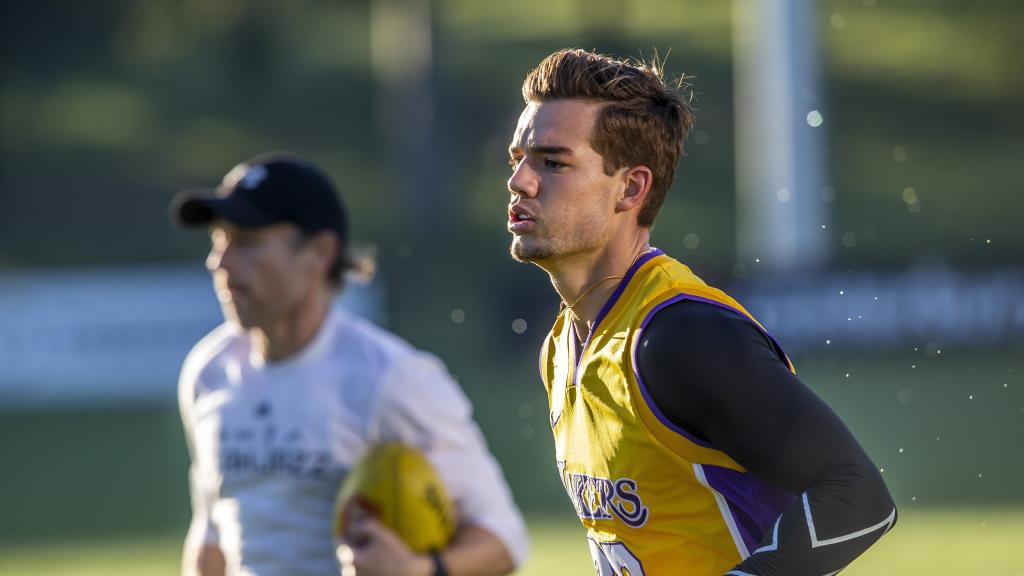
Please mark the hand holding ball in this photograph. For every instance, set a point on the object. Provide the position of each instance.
(397, 485)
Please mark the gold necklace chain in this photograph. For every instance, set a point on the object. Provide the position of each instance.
(592, 286)
(579, 298)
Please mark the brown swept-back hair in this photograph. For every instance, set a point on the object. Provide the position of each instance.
(643, 122)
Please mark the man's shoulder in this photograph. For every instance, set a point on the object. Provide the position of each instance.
(218, 341)
(363, 342)
(226, 339)
(407, 384)
(697, 320)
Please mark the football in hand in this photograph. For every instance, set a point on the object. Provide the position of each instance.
(397, 485)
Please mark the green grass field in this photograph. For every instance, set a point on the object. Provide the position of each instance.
(935, 542)
(75, 482)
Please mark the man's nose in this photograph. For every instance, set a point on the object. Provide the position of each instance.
(220, 258)
(213, 260)
(523, 181)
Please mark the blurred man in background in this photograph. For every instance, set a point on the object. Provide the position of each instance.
(682, 435)
(288, 394)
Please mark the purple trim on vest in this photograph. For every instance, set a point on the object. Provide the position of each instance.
(754, 505)
(636, 367)
(654, 252)
(643, 259)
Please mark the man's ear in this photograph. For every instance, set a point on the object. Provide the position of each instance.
(325, 246)
(637, 182)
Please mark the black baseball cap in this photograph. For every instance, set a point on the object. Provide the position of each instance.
(268, 189)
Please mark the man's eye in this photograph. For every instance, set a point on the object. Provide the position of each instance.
(553, 164)
(513, 162)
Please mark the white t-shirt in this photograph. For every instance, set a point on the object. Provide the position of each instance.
(272, 442)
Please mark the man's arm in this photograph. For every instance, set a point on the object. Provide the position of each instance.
(201, 555)
(717, 376)
(422, 406)
(202, 560)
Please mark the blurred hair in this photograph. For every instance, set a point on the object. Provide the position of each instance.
(643, 122)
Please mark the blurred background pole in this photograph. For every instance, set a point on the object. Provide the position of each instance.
(402, 51)
(778, 137)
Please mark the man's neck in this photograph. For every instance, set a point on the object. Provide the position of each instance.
(585, 284)
(291, 334)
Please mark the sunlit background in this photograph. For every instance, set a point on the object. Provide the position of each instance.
(855, 177)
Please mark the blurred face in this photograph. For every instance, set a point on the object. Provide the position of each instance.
(562, 203)
(261, 275)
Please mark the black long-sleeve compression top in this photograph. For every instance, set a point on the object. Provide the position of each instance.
(717, 376)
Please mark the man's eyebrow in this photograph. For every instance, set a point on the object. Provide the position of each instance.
(535, 149)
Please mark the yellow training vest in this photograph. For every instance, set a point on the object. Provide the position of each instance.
(654, 500)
